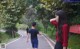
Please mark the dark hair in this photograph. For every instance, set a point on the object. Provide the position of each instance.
(62, 20)
(33, 23)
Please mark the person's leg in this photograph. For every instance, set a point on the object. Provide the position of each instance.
(36, 44)
(58, 45)
(32, 42)
(35, 48)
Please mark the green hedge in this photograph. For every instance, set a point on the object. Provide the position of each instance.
(5, 37)
(74, 41)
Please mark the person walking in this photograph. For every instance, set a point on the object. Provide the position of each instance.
(62, 29)
(34, 39)
(27, 29)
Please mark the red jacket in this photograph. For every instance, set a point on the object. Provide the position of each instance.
(64, 40)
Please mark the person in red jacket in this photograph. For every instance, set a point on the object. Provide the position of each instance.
(62, 29)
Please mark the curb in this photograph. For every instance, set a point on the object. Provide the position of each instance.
(50, 41)
(14, 40)
(4, 45)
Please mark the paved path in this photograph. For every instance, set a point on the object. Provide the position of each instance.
(22, 44)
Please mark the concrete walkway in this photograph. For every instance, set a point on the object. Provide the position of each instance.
(22, 44)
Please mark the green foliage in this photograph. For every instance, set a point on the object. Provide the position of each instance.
(74, 41)
(32, 2)
(11, 12)
(40, 26)
(15, 11)
(21, 26)
(46, 8)
(5, 37)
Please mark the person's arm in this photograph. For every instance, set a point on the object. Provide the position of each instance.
(65, 36)
(64, 47)
(40, 33)
(53, 19)
(53, 22)
(27, 30)
(28, 36)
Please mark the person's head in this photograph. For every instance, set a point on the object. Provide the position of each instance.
(33, 24)
(61, 18)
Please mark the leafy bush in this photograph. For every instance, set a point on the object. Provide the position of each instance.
(5, 37)
(74, 41)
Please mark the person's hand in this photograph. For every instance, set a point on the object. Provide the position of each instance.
(40, 33)
(64, 47)
(52, 19)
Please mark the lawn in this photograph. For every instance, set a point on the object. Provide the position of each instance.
(74, 41)
(4, 38)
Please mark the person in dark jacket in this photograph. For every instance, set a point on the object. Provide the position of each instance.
(34, 39)
(62, 29)
(27, 29)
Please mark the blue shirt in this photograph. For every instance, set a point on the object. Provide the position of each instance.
(33, 33)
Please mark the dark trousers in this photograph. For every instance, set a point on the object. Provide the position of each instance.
(58, 45)
(34, 43)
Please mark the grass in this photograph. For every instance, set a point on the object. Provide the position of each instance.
(4, 38)
(74, 41)
(51, 33)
